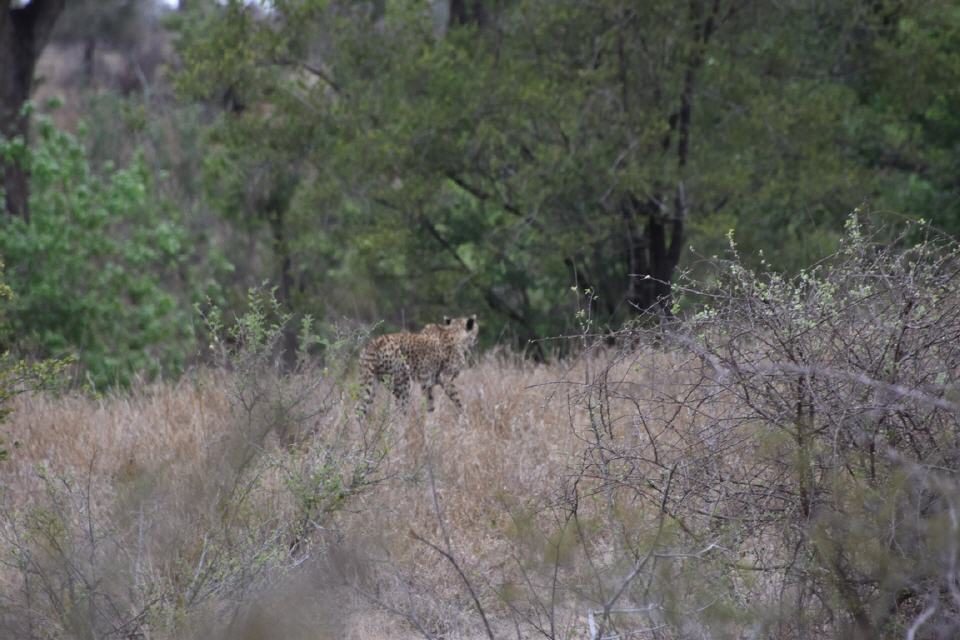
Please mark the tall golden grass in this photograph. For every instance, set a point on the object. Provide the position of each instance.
(446, 473)
(640, 488)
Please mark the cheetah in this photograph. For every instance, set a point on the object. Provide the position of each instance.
(434, 356)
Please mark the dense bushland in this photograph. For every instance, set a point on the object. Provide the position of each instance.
(779, 464)
(657, 442)
(393, 161)
(96, 269)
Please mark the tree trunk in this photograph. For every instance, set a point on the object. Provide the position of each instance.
(467, 12)
(89, 59)
(640, 294)
(281, 249)
(24, 32)
(653, 255)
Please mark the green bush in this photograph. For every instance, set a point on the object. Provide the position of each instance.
(18, 376)
(96, 265)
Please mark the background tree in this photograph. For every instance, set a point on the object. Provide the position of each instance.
(564, 143)
(89, 22)
(100, 269)
(24, 32)
(399, 160)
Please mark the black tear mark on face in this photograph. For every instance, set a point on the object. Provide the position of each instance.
(470, 323)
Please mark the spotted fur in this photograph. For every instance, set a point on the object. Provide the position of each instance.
(434, 356)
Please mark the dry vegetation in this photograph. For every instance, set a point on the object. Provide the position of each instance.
(781, 465)
(511, 449)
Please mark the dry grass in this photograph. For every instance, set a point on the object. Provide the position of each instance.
(512, 448)
(514, 437)
(626, 437)
(117, 435)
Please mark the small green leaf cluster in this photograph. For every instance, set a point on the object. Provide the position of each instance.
(95, 266)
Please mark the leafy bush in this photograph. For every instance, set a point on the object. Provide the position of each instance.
(95, 266)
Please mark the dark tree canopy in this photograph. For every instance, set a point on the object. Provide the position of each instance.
(549, 164)
(492, 154)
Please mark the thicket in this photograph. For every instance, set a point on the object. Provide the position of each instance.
(398, 159)
(192, 547)
(781, 463)
(794, 474)
(100, 270)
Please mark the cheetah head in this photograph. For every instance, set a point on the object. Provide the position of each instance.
(464, 329)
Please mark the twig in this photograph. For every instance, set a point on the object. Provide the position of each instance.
(448, 552)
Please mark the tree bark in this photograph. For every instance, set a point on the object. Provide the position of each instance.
(276, 216)
(467, 12)
(89, 59)
(24, 32)
(654, 253)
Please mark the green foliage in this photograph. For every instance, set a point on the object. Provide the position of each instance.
(373, 160)
(256, 333)
(18, 376)
(389, 165)
(95, 266)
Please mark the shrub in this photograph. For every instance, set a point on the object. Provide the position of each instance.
(95, 267)
(193, 549)
(793, 472)
(18, 376)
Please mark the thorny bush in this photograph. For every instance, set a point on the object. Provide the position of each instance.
(789, 465)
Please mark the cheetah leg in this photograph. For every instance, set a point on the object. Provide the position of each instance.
(368, 388)
(451, 390)
(427, 388)
(401, 388)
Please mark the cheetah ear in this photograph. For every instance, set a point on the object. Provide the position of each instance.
(447, 320)
(471, 321)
